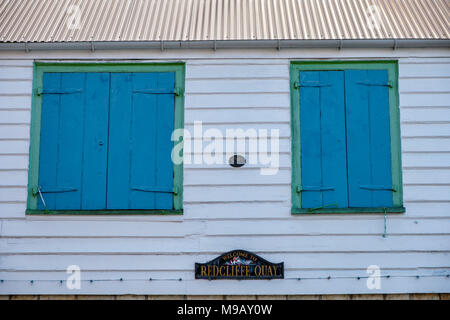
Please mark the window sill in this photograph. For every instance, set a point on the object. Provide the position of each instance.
(104, 212)
(295, 211)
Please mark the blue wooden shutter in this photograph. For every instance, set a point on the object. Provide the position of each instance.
(140, 171)
(368, 138)
(322, 132)
(73, 144)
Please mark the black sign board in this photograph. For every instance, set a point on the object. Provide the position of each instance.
(239, 264)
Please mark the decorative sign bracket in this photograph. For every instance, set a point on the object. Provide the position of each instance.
(240, 265)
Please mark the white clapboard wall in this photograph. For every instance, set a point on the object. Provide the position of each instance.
(227, 208)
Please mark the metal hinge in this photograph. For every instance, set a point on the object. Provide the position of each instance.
(335, 205)
(393, 188)
(313, 188)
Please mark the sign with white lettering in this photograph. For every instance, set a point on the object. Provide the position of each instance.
(239, 264)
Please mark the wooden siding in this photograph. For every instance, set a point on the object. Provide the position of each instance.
(226, 208)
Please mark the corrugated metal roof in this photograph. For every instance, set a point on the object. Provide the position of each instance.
(193, 20)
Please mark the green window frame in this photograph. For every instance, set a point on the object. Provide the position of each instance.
(394, 115)
(40, 68)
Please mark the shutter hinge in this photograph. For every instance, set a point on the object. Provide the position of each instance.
(311, 84)
(175, 190)
(296, 85)
(179, 92)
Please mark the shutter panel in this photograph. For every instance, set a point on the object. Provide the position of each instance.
(140, 172)
(322, 133)
(368, 138)
(74, 119)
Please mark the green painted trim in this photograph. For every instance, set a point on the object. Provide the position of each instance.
(348, 210)
(103, 212)
(394, 112)
(40, 68)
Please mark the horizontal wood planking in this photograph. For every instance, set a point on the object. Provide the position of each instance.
(15, 87)
(13, 161)
(237, 193)
(237, 100)
(13, 194)
(13, 178)
(261, 56)
(261, 287)
(12, 210)
(243, 210)
(8, 63)
(49, 228)
(234, 177)
(350, 274)
(237, 85)
(426, 159)
(236, 71)
(424, 99)
(203, 287)
(429, 193)
(14, 132)
(215, 115)
(282, 127)
(426, 177)
(425, 129)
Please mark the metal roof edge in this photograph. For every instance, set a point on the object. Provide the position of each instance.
(227, 44)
